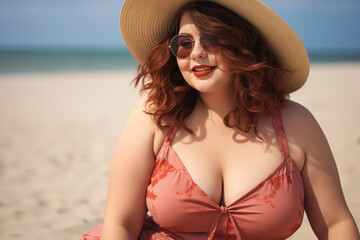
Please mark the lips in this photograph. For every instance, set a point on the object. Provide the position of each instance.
(202, 70)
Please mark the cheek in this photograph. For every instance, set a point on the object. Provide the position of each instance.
(183, 64)
(221, 63)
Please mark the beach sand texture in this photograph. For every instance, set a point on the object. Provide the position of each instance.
(58, 130)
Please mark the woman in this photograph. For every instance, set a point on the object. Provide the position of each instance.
(214, 149)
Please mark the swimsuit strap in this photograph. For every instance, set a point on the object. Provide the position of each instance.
(278, 125)
(171, 134)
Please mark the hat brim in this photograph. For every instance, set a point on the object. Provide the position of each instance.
(144, 23)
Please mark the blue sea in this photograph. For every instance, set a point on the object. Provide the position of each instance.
(15, 61)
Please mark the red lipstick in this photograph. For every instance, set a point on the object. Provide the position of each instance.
(202, 70)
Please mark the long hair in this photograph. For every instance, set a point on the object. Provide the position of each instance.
(256, 70)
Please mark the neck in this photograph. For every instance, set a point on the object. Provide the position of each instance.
(218, 104)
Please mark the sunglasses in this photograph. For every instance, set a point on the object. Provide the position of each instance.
(182, 45)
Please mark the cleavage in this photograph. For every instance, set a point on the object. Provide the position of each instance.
(223, 182)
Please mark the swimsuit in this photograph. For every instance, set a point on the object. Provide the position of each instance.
(180, 209)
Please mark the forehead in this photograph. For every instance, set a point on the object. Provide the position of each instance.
(187, 24)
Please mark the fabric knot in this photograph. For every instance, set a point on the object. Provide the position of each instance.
(224, 210)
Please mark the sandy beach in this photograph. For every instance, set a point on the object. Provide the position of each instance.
(58, 130)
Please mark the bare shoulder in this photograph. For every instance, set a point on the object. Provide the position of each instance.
(138, 131)
(142, 120)
(298, 119)
(294, 112)
(301, 130)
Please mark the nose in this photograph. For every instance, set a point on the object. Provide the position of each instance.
(198, 51)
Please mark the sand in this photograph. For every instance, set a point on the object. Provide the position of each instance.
(58, 130)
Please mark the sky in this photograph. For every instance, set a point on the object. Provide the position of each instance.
(323, 25)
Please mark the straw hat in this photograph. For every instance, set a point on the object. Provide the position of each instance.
(143, 23)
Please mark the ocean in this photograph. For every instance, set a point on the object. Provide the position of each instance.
(52, 61)
(55, 60)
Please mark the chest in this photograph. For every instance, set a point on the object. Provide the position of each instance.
(224, 168)
(174, 200)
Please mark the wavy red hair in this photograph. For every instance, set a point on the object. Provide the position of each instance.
(256, 71)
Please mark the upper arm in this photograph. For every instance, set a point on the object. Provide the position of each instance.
(324, 200)
(130, 171)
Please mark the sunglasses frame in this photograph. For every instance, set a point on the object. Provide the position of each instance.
(202, 36)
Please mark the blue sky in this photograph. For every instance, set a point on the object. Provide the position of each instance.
(322, 24)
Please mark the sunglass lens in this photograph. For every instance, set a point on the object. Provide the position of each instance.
(208, 43)
(181, 46)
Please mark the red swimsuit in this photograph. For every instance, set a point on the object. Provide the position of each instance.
(179, 209)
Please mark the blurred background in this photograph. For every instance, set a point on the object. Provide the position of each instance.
(58, 35)
(64, 97)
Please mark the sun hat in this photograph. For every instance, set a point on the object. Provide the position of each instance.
(144, 23)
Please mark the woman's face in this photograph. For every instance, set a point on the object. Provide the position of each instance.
(204, 71)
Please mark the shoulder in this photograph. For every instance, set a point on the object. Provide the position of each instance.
(294, 110)
(140, 127)
(143, 117)
(303, 126)
(302, 131)
(296, 116)
(140, 117)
